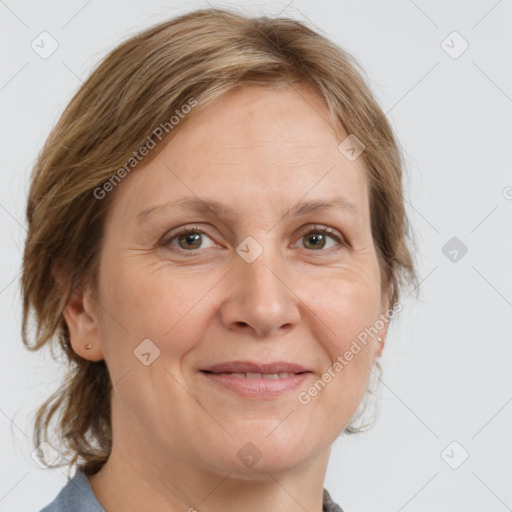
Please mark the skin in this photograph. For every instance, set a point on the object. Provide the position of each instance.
(176, 434)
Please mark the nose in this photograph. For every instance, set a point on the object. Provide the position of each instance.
(260, 299)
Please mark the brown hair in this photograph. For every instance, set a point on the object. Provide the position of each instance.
(135, 89)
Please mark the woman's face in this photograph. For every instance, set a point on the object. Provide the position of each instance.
(259, 284)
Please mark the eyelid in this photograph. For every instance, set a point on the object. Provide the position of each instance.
(320, 228)
(173, 233)
(311, 228)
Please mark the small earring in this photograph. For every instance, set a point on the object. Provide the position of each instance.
(379, 339)
(88, 346)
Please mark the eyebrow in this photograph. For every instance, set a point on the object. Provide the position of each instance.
(208, 206)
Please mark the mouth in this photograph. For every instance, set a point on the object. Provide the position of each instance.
(256, 375)
(257, 380)
(250, 367)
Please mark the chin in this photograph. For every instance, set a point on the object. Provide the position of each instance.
(254, 456)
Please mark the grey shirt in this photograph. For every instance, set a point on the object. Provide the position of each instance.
(77, 496)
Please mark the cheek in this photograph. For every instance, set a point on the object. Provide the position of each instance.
(345, 307)
(162, 306)
(346, 311)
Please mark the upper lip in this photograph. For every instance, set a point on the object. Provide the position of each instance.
(251, 367)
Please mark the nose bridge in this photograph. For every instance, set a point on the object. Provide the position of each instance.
(259, 297)
(262, 276)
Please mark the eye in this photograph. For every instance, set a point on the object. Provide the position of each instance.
(316, 238)
(190, 239)
(187, 239)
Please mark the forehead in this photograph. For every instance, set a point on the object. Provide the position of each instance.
(264, 121)
(251, 147)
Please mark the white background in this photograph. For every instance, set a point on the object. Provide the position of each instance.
(447, 361)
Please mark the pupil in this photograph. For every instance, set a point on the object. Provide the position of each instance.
(318, 237)
(191, 238)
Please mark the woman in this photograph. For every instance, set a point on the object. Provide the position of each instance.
(218, 241)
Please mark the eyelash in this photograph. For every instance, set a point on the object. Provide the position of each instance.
(191, 230)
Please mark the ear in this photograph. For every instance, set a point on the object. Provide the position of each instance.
(82, 323)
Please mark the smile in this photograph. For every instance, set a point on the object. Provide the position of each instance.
(256, 385)
(252, 375)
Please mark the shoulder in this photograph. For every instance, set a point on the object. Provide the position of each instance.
(75, 496)
(329, 505)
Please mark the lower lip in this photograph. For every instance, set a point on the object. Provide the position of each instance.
(257, 387)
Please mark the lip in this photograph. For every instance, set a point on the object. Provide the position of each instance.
(252, 367)
(256, 386)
